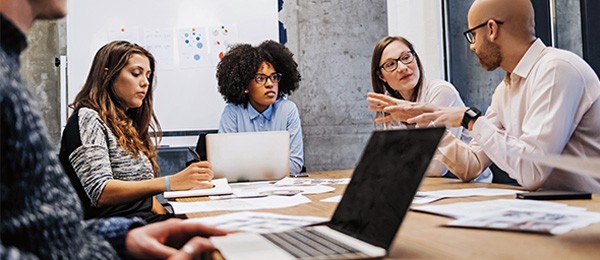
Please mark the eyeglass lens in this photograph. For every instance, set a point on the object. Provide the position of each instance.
(470, 37)
(391, 65)
(262, 78)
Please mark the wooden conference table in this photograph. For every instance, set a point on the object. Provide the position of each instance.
(423, 236)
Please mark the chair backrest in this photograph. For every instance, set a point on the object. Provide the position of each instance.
(201, 144)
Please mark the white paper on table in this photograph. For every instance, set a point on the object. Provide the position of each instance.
(243, 187)
(269, 202)
(553, 222)
(266, 188)
(288, 181)
(250, 189)
(334, 199)
(584, 166)
(456, 193)
(281, 190)
(220, 187)
(469, 209)
(222, 197)
(250, 185)
(424, 199)
(257, 222)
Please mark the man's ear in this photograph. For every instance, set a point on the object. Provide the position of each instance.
(493, 30)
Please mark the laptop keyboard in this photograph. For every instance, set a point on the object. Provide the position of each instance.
(311, 244)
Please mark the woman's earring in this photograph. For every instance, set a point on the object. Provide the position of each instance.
(246, 91)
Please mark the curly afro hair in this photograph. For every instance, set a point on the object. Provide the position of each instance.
(240, 63)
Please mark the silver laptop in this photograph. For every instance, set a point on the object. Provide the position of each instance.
(368, 216)
(249, 156)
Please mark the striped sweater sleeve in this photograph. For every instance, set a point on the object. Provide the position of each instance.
(91, 160)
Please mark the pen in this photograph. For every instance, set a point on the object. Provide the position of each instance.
(197, 158)
(195, 154)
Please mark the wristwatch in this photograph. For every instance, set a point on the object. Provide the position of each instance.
(470, 114)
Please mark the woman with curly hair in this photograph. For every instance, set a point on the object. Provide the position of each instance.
(255, 83)
(106, 147)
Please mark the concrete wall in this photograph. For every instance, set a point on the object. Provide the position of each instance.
(333, 41)
(42, 75)
(568, 26)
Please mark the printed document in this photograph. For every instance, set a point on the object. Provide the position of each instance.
(258, 222)
(553, 222)
(469, 209)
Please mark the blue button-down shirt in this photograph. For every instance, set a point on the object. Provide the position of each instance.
(281, 116)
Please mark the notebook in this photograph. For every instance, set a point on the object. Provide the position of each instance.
(369, 215)
(249, 156)
(220, 187)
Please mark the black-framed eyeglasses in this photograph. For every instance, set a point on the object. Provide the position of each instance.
(471, 36)
(391, 65)
(261, 79)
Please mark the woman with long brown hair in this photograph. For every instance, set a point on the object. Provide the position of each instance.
(107, 147)
(397, 71)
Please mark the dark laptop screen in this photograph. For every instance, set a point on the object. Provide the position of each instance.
(384, 184)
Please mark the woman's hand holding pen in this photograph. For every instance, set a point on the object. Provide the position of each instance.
(195, 176)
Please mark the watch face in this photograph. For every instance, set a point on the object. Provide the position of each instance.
(471, 113)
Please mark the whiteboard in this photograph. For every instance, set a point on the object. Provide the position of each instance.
(187, 38)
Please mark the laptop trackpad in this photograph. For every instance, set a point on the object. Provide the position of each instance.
(248, 246)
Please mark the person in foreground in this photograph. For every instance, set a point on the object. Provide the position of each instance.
(40, 213)
(397, 71)
(255, 81)
(547, 104)
(106, 146)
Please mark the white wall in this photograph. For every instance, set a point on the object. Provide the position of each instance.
(421, 23)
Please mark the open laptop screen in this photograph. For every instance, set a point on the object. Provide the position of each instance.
(249, 156)
(384, 184)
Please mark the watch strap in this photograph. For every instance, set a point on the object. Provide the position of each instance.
(470, 114)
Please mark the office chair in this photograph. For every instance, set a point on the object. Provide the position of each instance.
(201, 144)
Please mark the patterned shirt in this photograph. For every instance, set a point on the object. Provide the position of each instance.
(40, 214)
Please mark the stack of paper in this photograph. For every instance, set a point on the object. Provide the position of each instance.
(266, 188)
(515, 215)
(467, 209)
(287, 181)
(553, 222)
(258, 222)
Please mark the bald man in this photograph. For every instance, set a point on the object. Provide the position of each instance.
(547, 104)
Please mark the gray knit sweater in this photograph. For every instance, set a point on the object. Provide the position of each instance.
(92, 157)
(100, 159)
